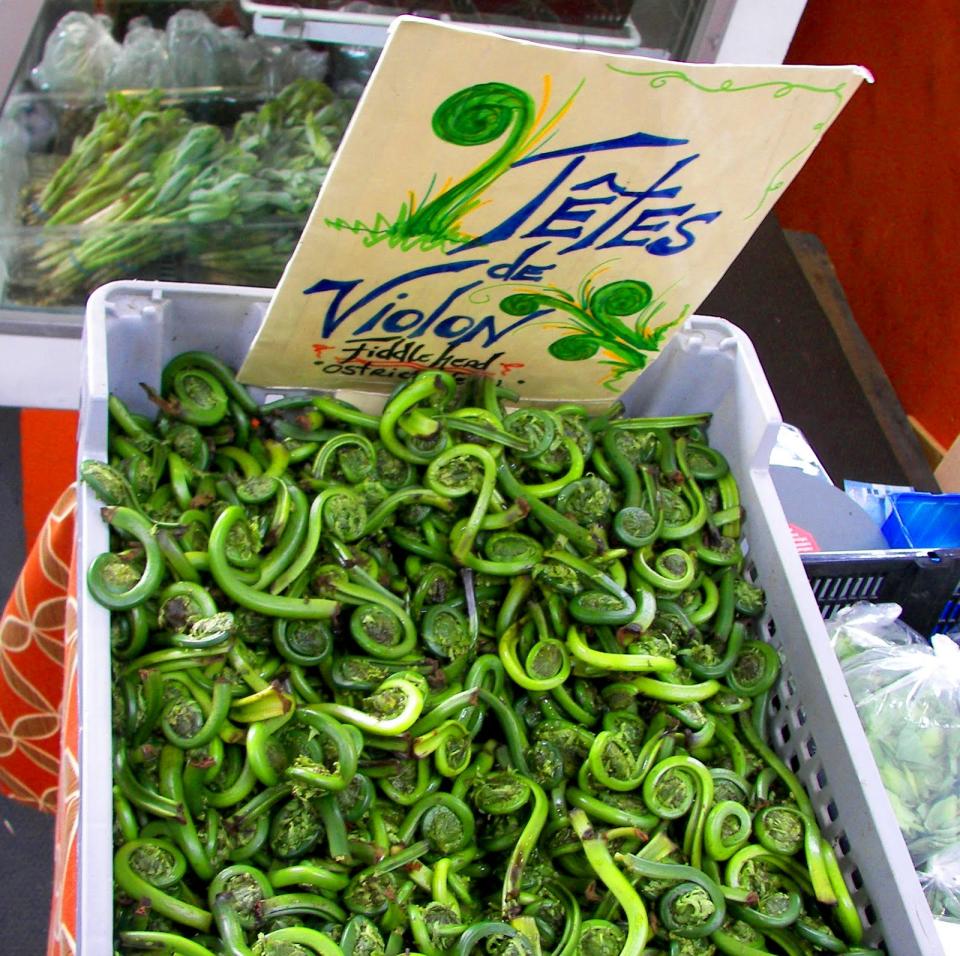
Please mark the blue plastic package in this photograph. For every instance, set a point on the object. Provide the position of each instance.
(922, 520)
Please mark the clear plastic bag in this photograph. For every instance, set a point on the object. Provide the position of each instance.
(352, 67)
(77, 55)
(233, 57)
(14, 144)
(940, 879)
(144, 62)
(297, 61)
(907, 693)
(81, 56)
(196, 47)
(864, 626)
(273, 64)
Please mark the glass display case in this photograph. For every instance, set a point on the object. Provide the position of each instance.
(193, 153)
(102, 179)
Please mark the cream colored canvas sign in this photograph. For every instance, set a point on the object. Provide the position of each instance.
(544, 216)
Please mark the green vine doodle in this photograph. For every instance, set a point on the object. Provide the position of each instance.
(474, 116)
(594, 323)
(781, 89)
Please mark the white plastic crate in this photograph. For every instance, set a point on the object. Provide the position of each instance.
(133, 328)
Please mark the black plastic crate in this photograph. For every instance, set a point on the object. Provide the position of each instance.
(926, 584)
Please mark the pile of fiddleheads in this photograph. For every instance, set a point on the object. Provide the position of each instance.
(447, 679)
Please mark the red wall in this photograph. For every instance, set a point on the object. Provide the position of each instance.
(883, 189)
(48, 462)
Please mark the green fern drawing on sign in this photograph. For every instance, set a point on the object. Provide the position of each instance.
(477, 115)
(593, 323)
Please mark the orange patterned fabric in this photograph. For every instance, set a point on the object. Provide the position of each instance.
(63, 910)
(39, 717)
(31, 664)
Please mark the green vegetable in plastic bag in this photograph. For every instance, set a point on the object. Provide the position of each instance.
(940, 879)
(907, 693)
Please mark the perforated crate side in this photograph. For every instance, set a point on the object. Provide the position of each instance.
(791, 737)
(814, 728)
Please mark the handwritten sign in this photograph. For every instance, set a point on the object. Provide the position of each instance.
(544, 216)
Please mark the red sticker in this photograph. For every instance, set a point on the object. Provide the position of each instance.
(804, 542)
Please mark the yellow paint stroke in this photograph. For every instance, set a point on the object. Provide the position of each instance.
(588, 284)
(445, 186)
(548, 128)
(597, 270)
(551, 125)
(544, 100)
(411, 195)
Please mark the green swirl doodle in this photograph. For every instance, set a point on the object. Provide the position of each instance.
(474, 116)
(596, 323)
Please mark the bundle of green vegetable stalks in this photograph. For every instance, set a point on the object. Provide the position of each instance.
(148, 183)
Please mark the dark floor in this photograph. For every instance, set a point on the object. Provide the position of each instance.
(26, 835)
